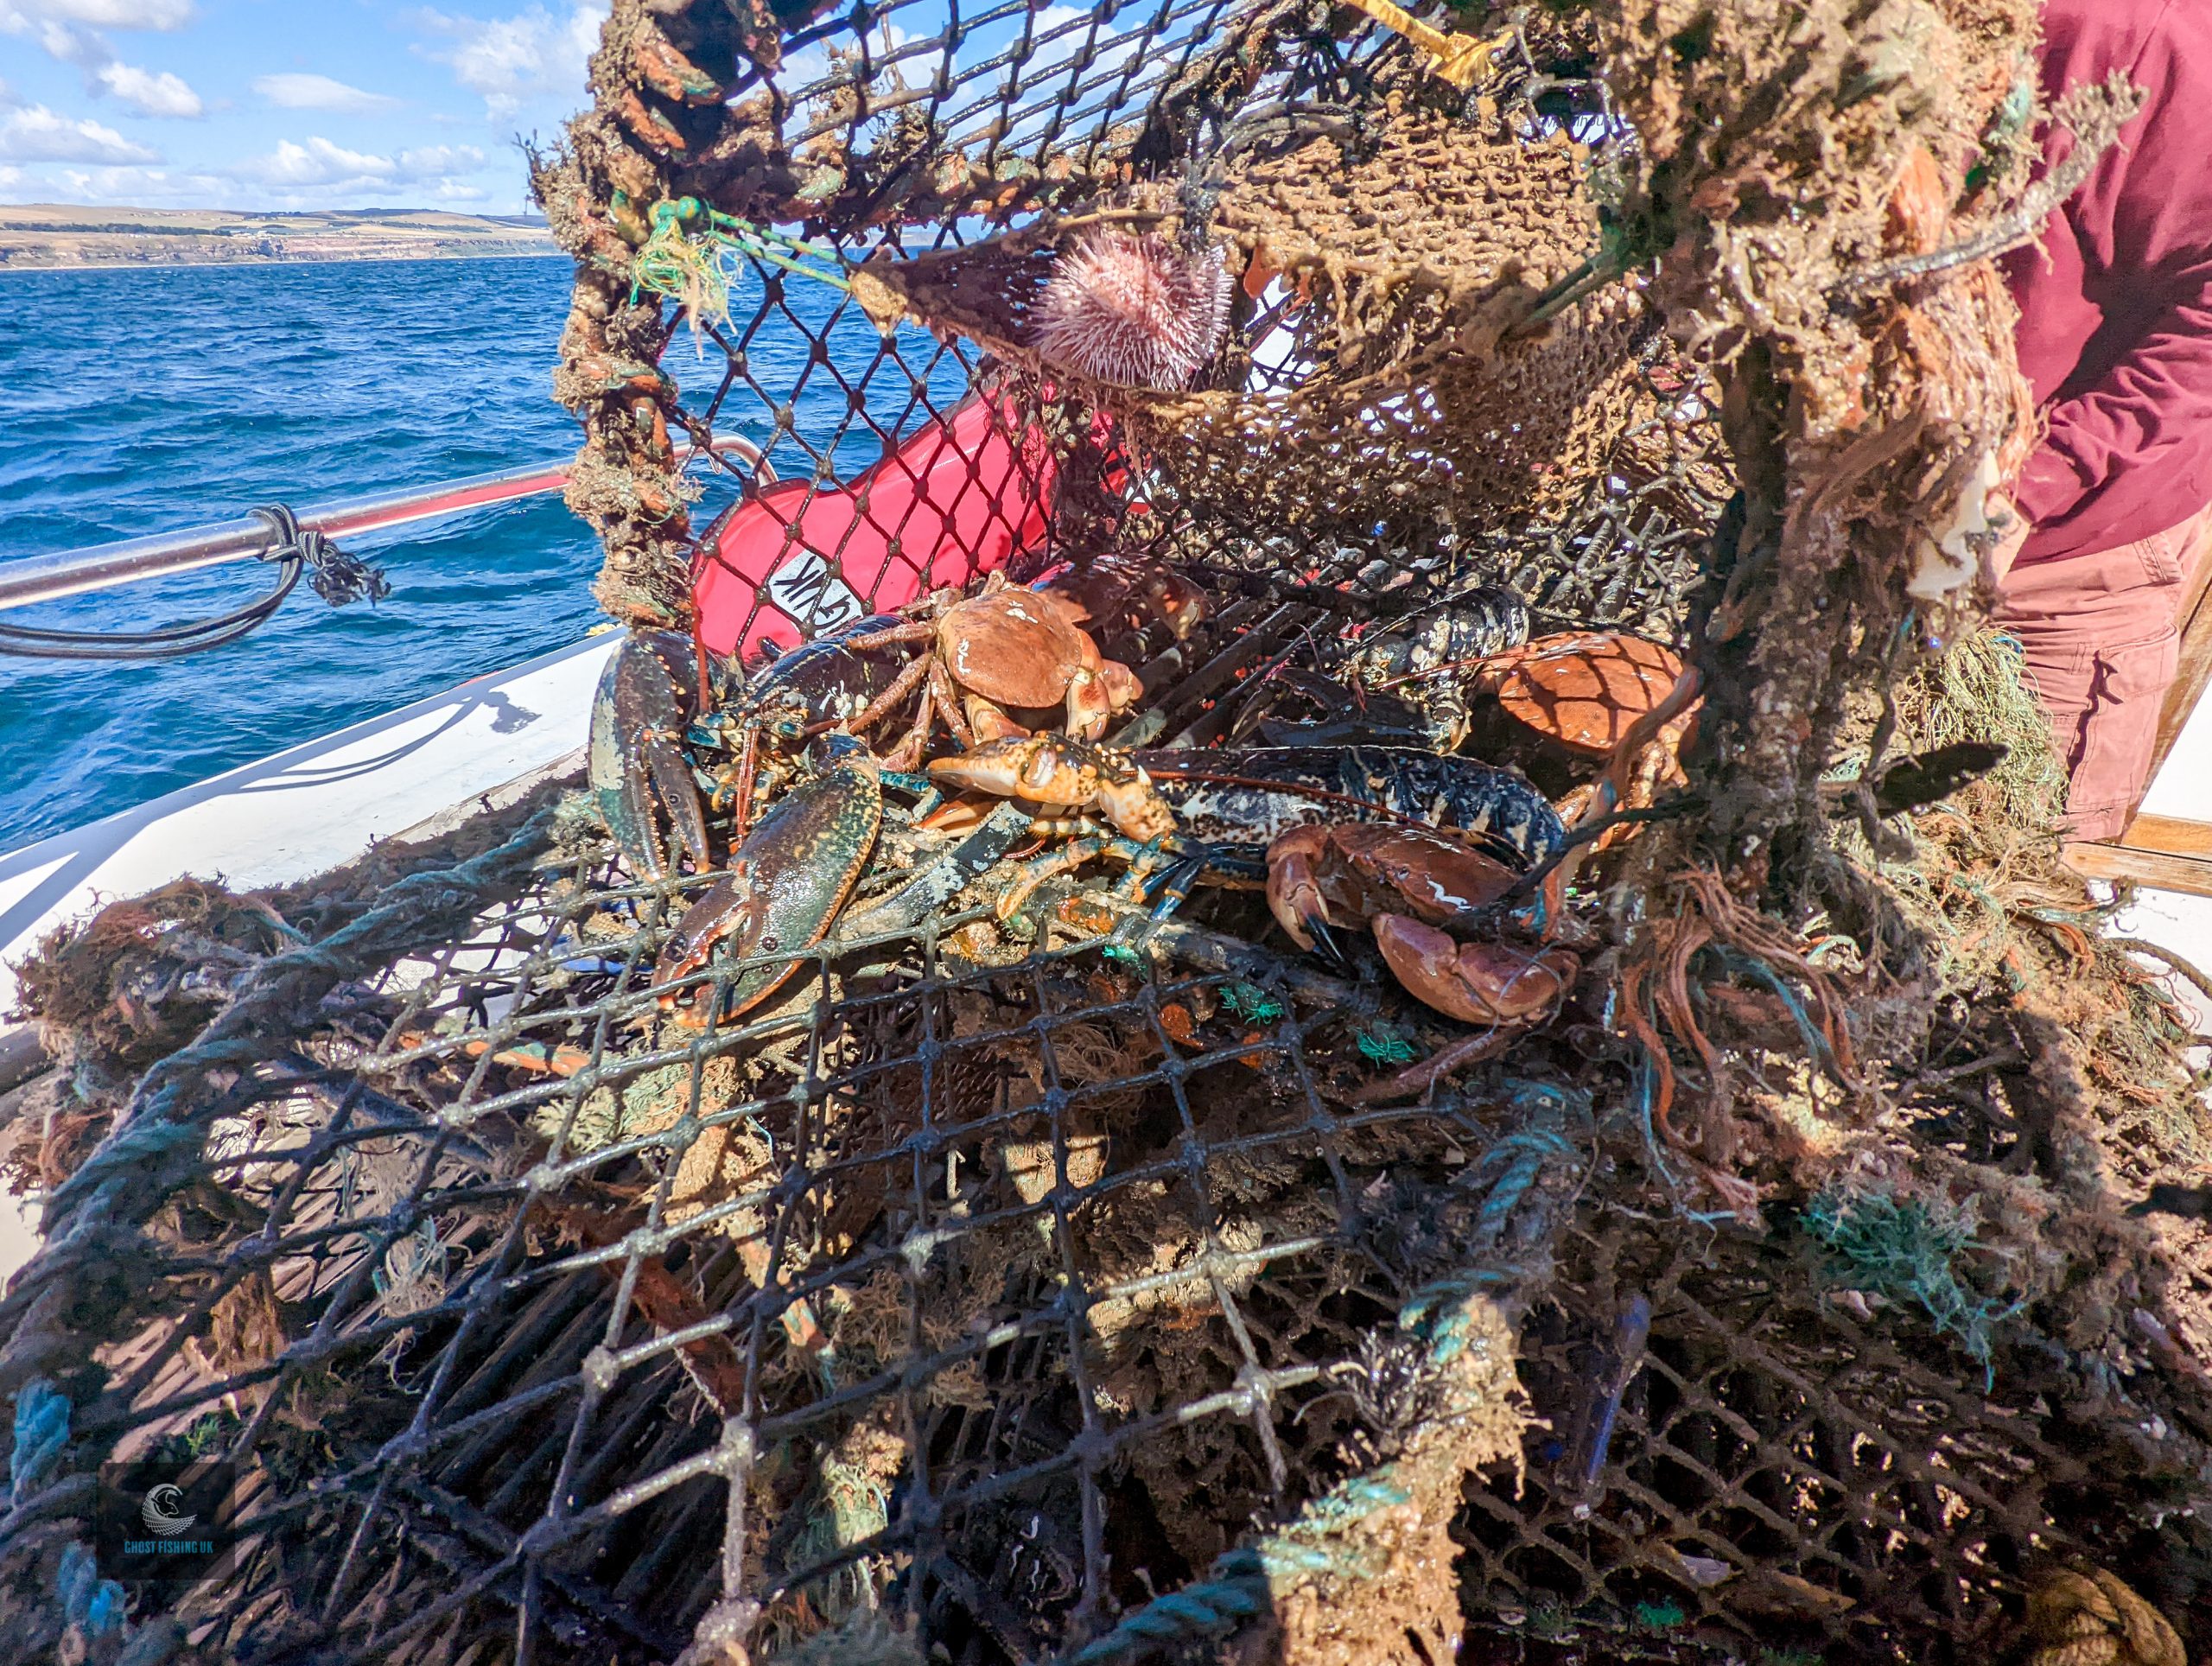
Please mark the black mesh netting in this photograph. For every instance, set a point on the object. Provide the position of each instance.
(1051, 1260)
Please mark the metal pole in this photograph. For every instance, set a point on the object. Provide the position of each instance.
(44, 578)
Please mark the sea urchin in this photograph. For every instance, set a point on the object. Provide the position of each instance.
(1141, 311)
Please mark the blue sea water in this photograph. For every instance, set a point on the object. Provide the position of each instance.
(147, 400)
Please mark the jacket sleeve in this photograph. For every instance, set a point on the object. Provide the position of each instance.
(2143, 222)
(2153, 410)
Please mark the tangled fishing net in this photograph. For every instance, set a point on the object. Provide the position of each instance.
(1772, 1232)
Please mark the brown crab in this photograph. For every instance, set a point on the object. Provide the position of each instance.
(1413, 887)
(1006, 662)
(1582, 689)
(1119, 594)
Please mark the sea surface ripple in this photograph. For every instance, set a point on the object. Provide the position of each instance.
(149, 400)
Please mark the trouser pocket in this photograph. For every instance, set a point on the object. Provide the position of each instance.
(2111, 764)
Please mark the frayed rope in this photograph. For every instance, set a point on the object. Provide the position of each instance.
(42, 1437)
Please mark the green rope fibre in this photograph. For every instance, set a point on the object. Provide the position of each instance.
(1976, 691)
(695, 253)
(1911, 1249)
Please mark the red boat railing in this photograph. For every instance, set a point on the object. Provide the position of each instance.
(44, 578)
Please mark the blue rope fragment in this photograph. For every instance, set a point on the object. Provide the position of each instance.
(90, 1604)
(1744, 965)
(41, 1436)
(1236, 1589)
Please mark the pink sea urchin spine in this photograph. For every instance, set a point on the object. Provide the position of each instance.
(1141, 311)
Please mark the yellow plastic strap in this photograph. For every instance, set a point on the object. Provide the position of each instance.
(1459, 59)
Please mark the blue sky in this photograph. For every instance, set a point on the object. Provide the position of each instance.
(350, 104)
(264, 103)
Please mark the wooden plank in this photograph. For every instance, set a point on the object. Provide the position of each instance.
(2172, 836)
(2189, 874)
(2194, 619)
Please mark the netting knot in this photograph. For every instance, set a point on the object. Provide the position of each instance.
(599, 1370)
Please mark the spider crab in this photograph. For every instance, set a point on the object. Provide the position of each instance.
(1424, 895)
(1005, 662)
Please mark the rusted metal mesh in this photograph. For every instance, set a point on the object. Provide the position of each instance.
(1091, 1284)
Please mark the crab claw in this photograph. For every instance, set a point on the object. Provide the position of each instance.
(638, 773)
(1137, 808)
(1294, 888)
(1053, 769)
(1475, 982)
(1089, 707)
(1015, 767)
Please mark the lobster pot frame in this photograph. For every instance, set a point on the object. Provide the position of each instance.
(1038, 1265)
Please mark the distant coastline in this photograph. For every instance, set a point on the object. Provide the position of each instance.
(61, 237)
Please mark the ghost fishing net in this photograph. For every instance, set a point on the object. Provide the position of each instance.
(877, 1238)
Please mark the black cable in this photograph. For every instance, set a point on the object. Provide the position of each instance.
(333, 575)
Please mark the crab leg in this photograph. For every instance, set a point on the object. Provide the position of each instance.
(948, 701)
(879, 707)
(1142, 859)
(912, 750)
(918, 631)
(749, 763)
(1065, 859)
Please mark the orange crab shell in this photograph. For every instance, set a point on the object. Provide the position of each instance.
(1582, 689)
(1025, 649)
(1350, 873)
(1474, 983)
(1015, 647)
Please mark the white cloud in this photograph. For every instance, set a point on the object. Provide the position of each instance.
(35, 133)
(162, 15)
(320, 93)
(292, 166)
(510, 60)
(69, 30)
(1073, 28)
(149, 92)
(138, 186)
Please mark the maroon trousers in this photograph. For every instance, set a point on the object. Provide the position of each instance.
(2100, 635)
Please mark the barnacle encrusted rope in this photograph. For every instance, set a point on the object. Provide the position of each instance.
(1343, 1555)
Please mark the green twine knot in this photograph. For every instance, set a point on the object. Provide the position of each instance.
(1248, 1000)
(1383, 1046)
(695, 253)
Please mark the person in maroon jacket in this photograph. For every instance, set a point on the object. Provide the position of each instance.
(2115, 337)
